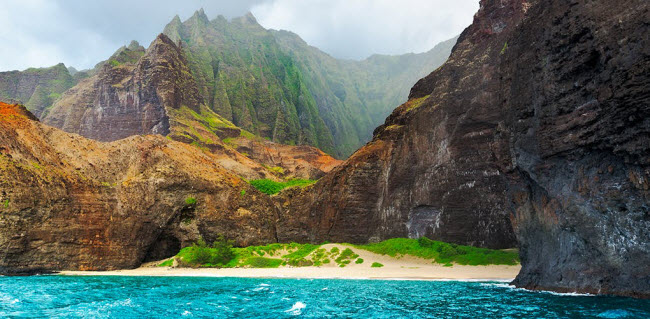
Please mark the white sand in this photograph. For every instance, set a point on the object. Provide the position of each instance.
(406, 267)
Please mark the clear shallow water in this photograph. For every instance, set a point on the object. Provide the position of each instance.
(191, 297)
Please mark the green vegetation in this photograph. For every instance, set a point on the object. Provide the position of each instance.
(190, 201)
(376, 265)
(263, 262)
(347, 255)
(277, 169)
(201, 254)
(166, 263)
(243, 192)
(6, 203)
(268, 256)
(221, 254)
(271, 187)
(505, 47)
(36, 165)
(415, 103)
(302, 251)
(443, 253)
(274, 85)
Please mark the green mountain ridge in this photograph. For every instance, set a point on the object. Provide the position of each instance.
(270, 83)
(275, 85)
(36, 88)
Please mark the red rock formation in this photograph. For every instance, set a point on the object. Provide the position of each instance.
(287, 161)
(68, 202)
(153, 92)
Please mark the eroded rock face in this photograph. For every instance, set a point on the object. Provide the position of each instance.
(130, 98)
(576, 93)
(68, 202)
(540, 118)
(139, 92)
(303, 161)
(433, 169)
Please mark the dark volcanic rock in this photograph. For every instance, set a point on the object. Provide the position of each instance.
(540, 119)
(433, 169)
(576, 93)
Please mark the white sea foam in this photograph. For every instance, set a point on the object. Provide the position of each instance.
(297, 308)
(264, 285)
(513, 287)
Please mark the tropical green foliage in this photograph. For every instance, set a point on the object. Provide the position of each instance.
(442, 252)
(376, 265)
(271, 187)
(276, 86)
(201, 254)
(301, 255)
(166, 263)
(262, 262)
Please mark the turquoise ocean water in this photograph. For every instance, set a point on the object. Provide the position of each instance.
(191, 297)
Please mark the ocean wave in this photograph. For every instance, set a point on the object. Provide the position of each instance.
(615, 313)
(513, 287)
(297, 308)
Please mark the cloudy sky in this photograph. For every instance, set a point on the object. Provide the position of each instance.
(80, 33)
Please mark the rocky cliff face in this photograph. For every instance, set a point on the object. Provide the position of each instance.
(113, 205)
(539, 120)
(433, 169)
(152, 92)
(288, 162)
(576, 98)
(128, 96)
(37, 89)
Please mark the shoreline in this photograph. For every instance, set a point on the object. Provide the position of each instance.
(421, 273)
(404, 267)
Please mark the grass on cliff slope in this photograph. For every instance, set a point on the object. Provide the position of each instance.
(442, 252)
(271, 187)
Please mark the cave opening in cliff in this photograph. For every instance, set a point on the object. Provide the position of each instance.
(165, 246)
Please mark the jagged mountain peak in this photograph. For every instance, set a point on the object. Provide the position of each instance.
(135, 46)
(164, 40)
(199, 16)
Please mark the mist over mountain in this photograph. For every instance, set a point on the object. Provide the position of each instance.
(270, 83)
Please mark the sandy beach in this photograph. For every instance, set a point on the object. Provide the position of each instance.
(405, 267)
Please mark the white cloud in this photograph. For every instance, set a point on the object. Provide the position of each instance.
(359, 28)
(80, 33)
